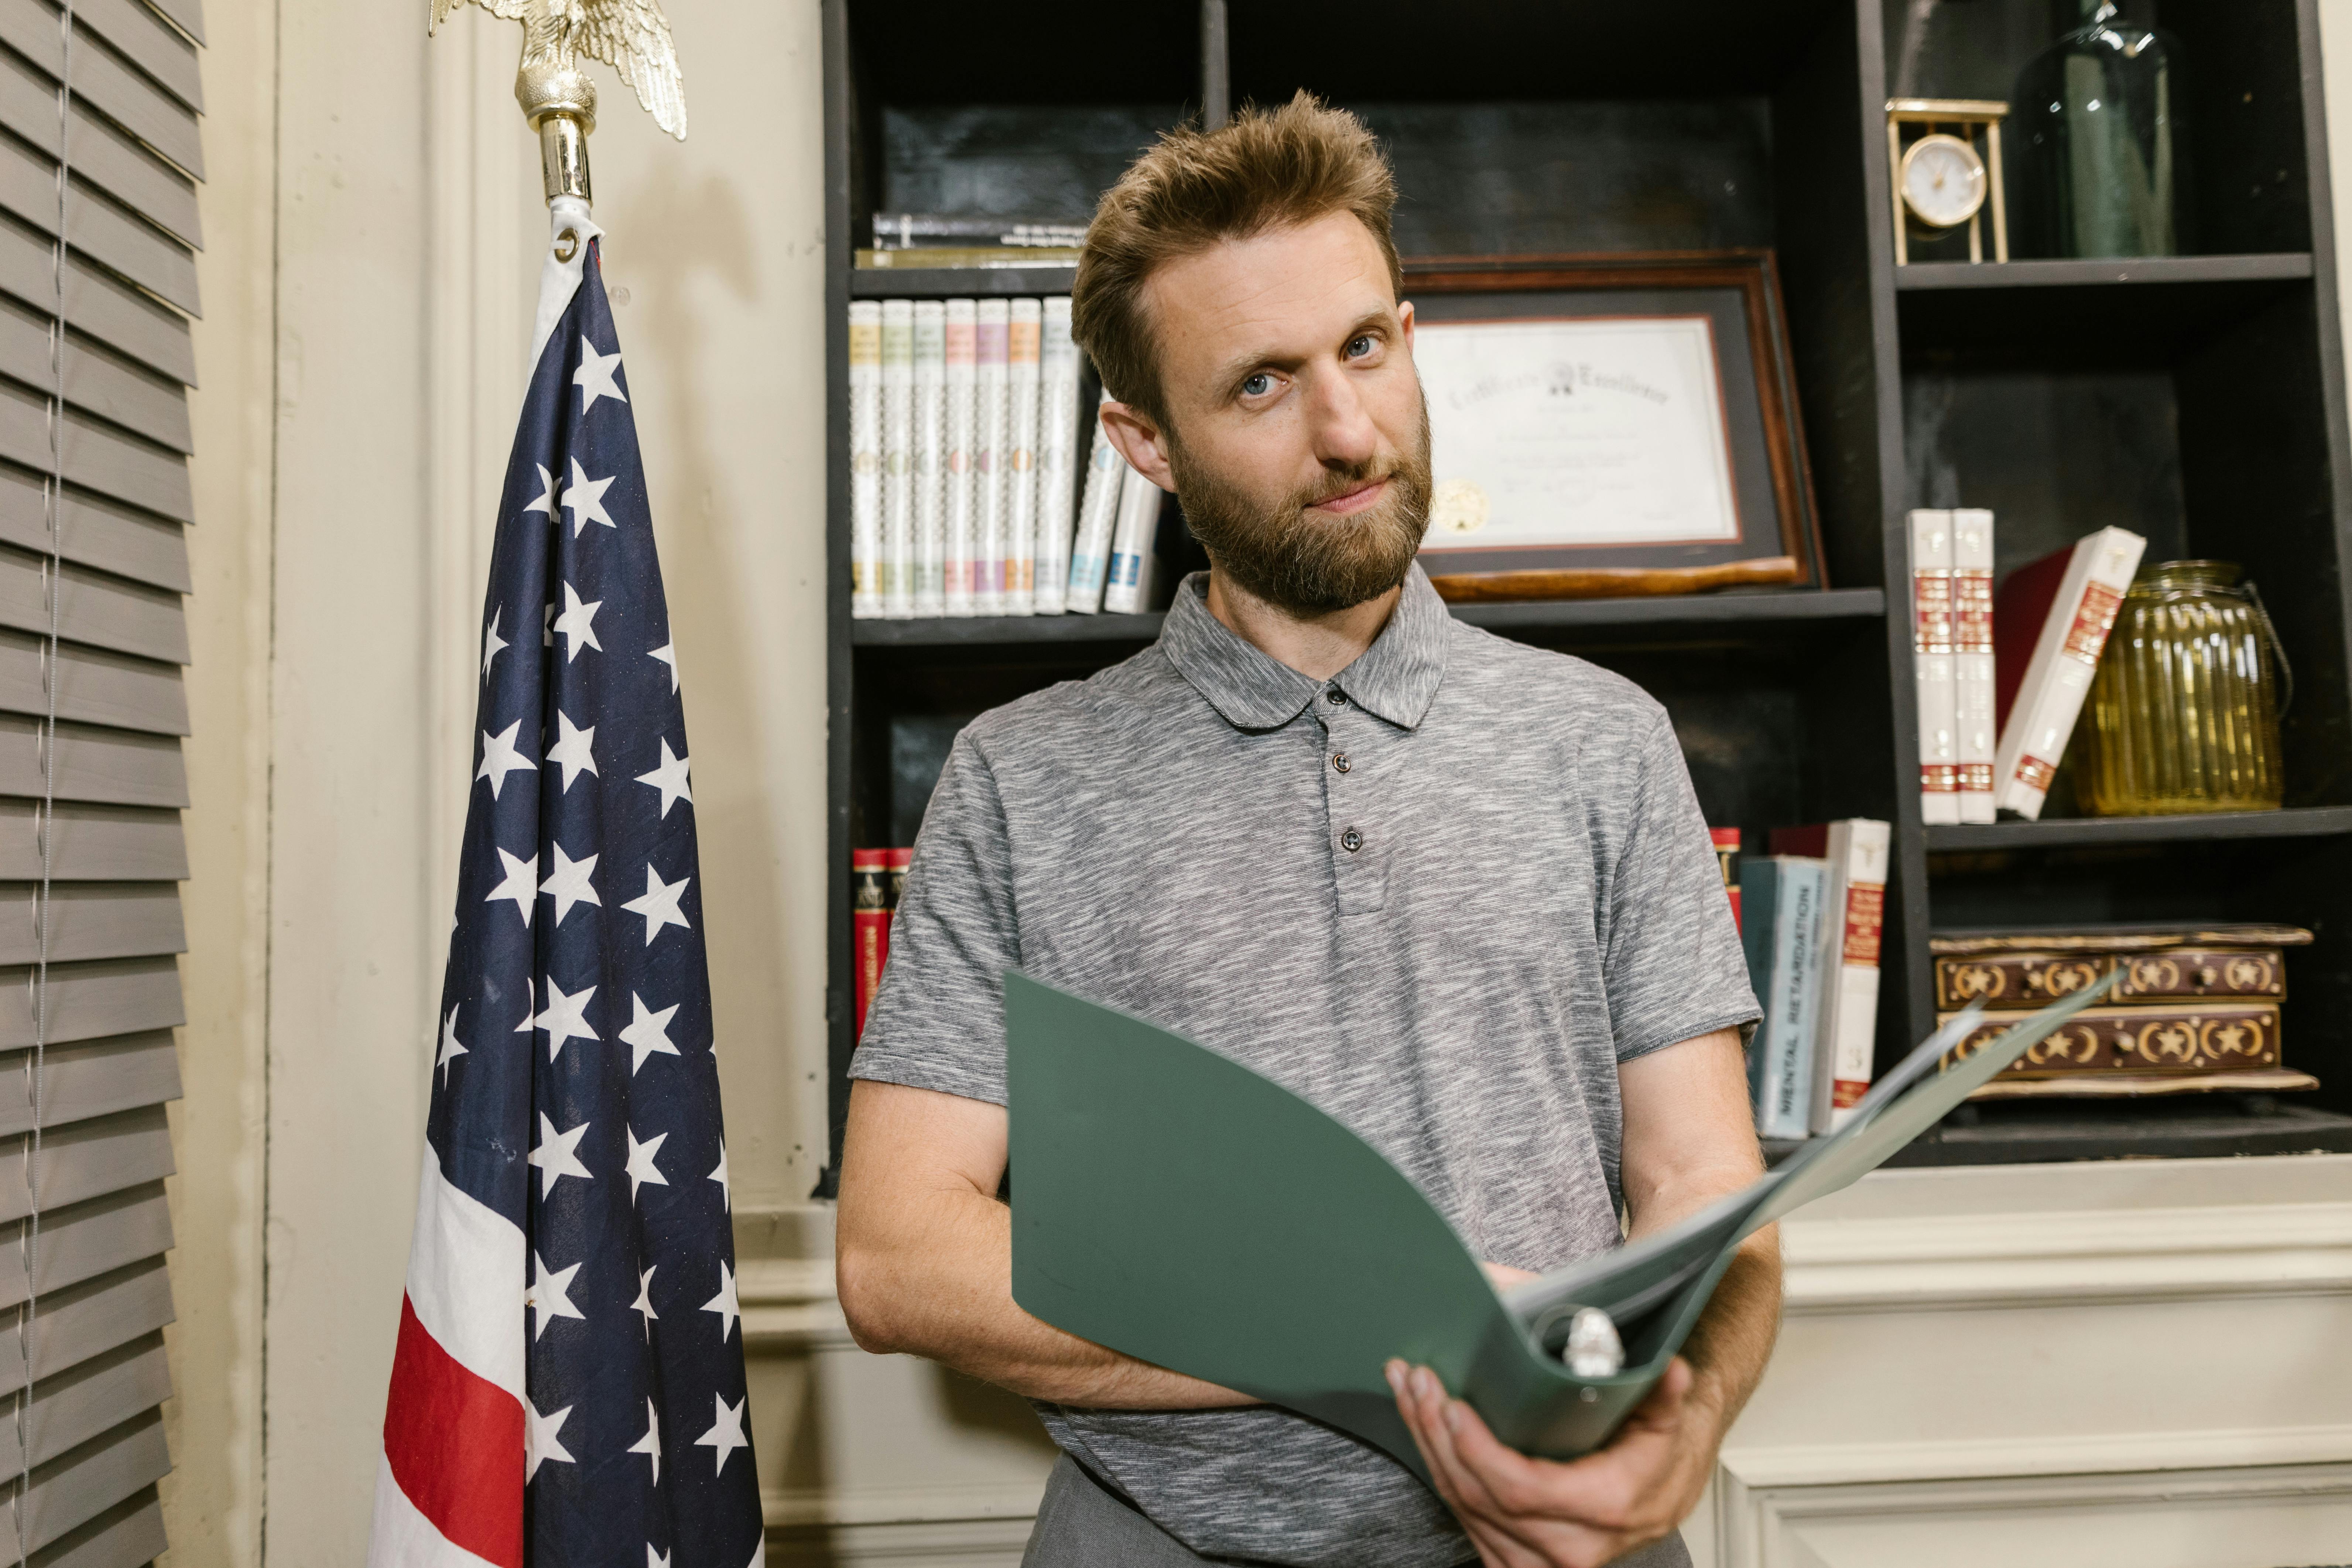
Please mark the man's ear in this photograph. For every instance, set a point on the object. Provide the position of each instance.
(1404, 322)
(1140, 441)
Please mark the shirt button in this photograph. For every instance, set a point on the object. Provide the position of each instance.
(1351, 841)
(1339, 761)
(1335, 698)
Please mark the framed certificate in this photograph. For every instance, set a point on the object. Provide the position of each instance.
(1609, 424)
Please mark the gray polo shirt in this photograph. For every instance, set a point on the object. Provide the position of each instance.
(1442, 896)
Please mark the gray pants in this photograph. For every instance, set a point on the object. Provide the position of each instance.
(1082, 1525)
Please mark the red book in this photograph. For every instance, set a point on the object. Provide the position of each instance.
(876, 879)
(2024, 603)
(1726, 856)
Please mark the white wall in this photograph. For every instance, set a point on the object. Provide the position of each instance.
(373, 255)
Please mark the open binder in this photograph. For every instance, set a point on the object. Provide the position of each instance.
(1174, 1205)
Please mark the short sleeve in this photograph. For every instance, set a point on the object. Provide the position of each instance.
(1674, 966)
(938, 1020)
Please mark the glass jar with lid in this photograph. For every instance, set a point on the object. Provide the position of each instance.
(2183, 713)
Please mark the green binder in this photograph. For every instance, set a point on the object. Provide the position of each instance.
(1174, 1205)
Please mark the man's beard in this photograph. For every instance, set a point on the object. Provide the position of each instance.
(1312, 564)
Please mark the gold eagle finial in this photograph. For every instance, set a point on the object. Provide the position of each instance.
(630, 36)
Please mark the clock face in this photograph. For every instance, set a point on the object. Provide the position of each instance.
(1943, 180)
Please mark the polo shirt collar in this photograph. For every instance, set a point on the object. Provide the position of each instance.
(1396, 678)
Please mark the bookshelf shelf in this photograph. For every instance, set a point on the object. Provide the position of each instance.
(957, 283)
(2142, 272)
(2302, 822)
(2197, 400)
(1696, 612)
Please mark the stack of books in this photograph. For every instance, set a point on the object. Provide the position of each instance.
(2000, 687)
(2197, 1009)
(1810, 916)
(965, 496)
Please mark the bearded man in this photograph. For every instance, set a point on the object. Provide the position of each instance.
(1455, 891)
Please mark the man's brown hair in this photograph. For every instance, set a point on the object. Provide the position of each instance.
(1267, 169)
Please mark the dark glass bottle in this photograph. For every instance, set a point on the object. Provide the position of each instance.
(2096, 120)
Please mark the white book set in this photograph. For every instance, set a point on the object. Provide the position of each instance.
(965, 498)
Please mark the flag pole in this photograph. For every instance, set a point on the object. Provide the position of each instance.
(559, 103)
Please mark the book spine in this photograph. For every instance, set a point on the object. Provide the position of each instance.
(1098, 516)
(1931, 660)
(2102, 1040)
(897, 459)
(1856, 918)
(1785, 1040)
(1727, 860)
(992, 345)
(930, 456)
(1131, 557)
(2064, 659)
(865, 459)
(1058, 437)
(1972, 674)
(872, 898)
(1021, 393)
(961, 491)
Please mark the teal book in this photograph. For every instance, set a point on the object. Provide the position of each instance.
(1176, 1206)
(1782, 911)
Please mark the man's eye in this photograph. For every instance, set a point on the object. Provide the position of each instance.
(1359, 345)
(1257, 385)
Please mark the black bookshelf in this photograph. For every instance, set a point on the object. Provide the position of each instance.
(2197, 399)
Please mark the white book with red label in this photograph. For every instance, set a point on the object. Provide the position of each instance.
(1931, 662)
(2077, 592)
(1853, 905)
(1972, 675)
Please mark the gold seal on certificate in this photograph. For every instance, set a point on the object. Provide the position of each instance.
(1459, 506)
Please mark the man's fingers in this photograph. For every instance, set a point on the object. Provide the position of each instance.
(1426, 1432)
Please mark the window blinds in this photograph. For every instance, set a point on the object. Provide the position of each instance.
(84, 1298)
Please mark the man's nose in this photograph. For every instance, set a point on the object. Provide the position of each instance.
(1340, 424)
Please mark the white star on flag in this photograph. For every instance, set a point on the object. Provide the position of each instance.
(546, 501)
(642, 1168)
(548, 1295)
(726, 1433)
(566, 1017)
(669, 778)
(568, 883)
(547, 624)
(500, 758)
(450, 1050)
(594, 376)
(726, 1192)
(648, 1032)
(668, 654)
(556, 1157)
(656, 1559)
(574, 625)
(659, 904)
(570, 749)
(645, 1301)
(725, 1303)
(590, 507)
(650, 1444)
(539, 1441)
(492, 642)
(521, 884)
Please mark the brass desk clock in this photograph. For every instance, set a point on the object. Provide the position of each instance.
(1947, 172)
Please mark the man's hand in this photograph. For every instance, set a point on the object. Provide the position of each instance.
(1539, 1513)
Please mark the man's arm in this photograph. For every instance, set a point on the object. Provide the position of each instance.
(1689, 1139)
(924, 1255)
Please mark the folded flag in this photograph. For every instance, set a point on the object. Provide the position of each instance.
(568, 1383)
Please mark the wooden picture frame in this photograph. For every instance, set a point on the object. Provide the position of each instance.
(1765, 529)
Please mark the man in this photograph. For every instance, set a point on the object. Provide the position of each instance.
(1455, 891)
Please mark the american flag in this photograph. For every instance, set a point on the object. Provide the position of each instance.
(568, 1383)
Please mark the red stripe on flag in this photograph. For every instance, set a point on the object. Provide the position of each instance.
(454, 1445)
